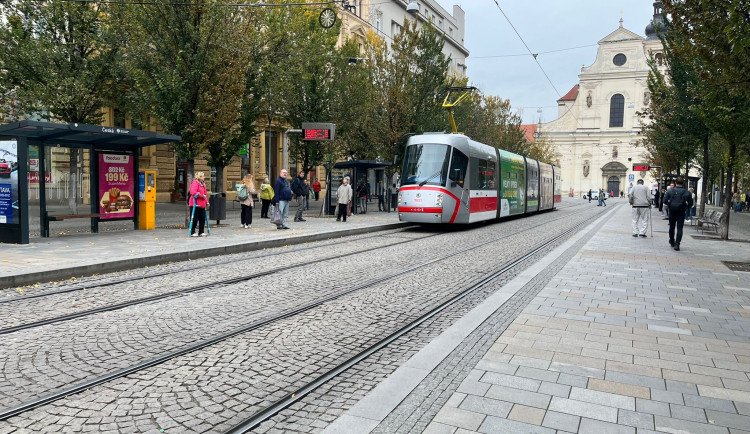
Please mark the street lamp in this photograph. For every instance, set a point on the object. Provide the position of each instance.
(412, 8)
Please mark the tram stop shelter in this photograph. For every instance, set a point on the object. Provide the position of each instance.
(356, 170)
(112, 178)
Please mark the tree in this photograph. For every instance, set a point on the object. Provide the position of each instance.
(57, 59)
(183, 62)
(717, 33)
(491, 120)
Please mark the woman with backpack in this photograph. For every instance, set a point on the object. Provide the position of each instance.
(246, 215)
(266, 194)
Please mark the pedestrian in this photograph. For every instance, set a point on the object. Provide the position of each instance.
(198, 201)
(299, 192)
(362, 193)
(599, 197)
(306, 193)
(266, 194)
(611, 193)
(589, 195)
(638, 198)
(394, 197)
(604, 197)
(381, 195)
(656, 198)
(736, 201)
(246, 214)
(283, 197)
(678, 201)
(316, 188)
(343, 198)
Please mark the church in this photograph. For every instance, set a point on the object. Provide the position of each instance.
(598, 126)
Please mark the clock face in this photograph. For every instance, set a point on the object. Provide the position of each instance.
(327, 18)
(619, 59)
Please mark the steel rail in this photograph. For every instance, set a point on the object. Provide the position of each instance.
(180, 292)
(298, 394)
(167, 273)
(80, 387)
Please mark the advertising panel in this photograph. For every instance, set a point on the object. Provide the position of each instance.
(513, 179)
(116, 186)
(9, 183)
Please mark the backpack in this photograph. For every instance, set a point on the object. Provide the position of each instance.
(241, 191)
(678, 203)
(296, 186)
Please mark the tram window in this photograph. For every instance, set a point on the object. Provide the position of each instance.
(426, 164)
(484, 174)
(459, 163)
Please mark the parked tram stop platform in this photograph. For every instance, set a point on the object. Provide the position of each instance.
(71, 250)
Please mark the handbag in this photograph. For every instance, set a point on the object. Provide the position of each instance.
(276, 215)
(349, 209)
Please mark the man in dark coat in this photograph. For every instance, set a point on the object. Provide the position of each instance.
(678, 200)
(283, 197)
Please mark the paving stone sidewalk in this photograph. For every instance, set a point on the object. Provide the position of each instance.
(630, 337)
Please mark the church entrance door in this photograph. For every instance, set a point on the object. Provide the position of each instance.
(613, 185)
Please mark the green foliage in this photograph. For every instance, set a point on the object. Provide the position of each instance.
(56, 58)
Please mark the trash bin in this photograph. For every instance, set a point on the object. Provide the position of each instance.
(217, 207)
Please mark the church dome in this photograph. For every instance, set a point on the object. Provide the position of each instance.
(657, 26)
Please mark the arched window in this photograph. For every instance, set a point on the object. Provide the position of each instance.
(616, 110)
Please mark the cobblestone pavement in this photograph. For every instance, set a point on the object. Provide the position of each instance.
(208, 389)
(627, 336)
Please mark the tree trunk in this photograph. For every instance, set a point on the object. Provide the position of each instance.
(724, 222)
(219, 180)
(721, 187)
(704, 187)
(73, 185)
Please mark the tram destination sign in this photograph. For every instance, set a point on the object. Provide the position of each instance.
(641, 167)
(318, 131)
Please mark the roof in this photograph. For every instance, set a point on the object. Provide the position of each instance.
(571, 95)
(361, 164)
(528, 131)
(77, 135)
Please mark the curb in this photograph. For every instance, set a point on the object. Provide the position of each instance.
(128, 264)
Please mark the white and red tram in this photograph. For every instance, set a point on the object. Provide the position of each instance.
(449, 178)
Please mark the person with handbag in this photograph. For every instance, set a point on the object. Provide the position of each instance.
(266, 194)
(344, 199)
(246, 215)
(198, 200)
(282, 198)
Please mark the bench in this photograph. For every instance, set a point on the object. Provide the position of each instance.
(46, 218)
(710, 219)
(54, 218)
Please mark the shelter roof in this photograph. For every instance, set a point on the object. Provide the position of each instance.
(77, 135)
(361, 164)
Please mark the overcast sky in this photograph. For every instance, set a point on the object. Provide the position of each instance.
(545, 25)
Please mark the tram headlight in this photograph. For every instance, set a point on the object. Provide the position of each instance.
(439, 200)
(400, 197)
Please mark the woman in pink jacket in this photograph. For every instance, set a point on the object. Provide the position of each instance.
(198, 200)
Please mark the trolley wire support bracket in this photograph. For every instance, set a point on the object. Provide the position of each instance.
(448, 105)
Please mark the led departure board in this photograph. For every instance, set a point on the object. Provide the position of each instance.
(641, 167)
(318, 131)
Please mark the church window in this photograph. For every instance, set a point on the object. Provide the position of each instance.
(659, 59)
(619, 59)
(616, 110)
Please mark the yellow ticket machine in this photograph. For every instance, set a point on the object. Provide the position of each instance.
(147, 199)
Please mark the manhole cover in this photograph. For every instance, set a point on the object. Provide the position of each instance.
(737, 266)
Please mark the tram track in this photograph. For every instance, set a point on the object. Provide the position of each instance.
(292, 397)
(191, 289)
(77, 388)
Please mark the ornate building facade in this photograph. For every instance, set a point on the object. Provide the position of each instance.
(597, 128)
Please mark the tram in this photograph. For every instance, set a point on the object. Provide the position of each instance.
(449, 178)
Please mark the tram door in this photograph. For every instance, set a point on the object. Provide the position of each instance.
(613, 185)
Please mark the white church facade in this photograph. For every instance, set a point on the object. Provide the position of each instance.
(597, 128)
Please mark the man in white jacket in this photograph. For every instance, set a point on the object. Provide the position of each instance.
(639, 200)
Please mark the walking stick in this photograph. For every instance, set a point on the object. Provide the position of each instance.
(208, 226)
(192, 215)
(651, 221)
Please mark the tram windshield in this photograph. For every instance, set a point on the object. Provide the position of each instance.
(426, 164)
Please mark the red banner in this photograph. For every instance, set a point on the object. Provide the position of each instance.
(116, 186)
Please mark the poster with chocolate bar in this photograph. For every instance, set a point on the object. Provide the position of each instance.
(116, 186)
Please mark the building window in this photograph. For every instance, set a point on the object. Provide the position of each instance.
(396, 28)
(659, 59)
(616, 110)
(619, 59)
